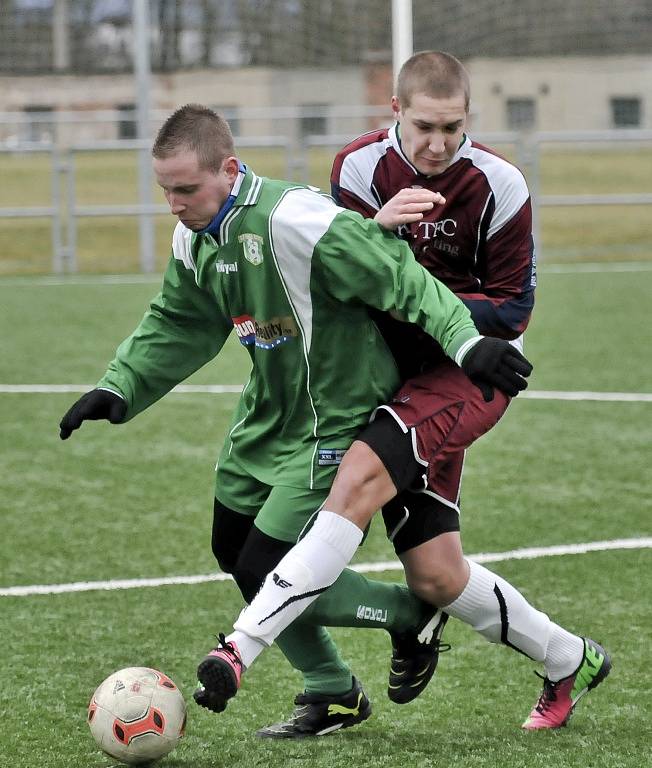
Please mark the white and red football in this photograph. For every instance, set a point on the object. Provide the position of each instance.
(137, 715)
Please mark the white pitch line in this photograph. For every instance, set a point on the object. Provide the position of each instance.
(52, 389)
(597, 267)
(613, 397)
(135, 279)
(143, 279)
(220, 389)
(528, 553)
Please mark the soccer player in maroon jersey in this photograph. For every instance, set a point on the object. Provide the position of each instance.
(466, 213)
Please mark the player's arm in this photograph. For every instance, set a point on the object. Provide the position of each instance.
(359, 261)
(503, 306)
(181, 331)
(354, 260)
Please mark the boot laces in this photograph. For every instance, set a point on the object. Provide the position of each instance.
(548, 695)
(228, 647)
(436, 646)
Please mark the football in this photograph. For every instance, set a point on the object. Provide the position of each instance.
(137, 715)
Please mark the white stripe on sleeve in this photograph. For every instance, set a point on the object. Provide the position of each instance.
(296, 225)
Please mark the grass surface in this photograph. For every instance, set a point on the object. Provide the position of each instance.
(135, 501)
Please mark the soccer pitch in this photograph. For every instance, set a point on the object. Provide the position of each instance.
(134, 502)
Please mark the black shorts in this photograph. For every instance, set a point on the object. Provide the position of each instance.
(414, 516)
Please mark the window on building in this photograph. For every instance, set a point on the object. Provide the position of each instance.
(521, 114)
(625, 112)
(313, 120)
(127, 122)
(40, 126)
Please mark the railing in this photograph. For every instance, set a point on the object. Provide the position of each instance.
(65, 211)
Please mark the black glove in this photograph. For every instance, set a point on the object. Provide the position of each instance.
(496, 363)
(96, 404)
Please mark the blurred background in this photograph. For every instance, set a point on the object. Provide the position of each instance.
(562, 88)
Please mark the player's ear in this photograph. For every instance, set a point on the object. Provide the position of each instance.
(231, 167)
(396, 106)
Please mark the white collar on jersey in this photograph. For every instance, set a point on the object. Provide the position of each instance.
(395, 139)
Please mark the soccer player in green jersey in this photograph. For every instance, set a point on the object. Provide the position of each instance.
(293, 274)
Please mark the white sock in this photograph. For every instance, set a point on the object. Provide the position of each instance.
(248, 647)
(500, 613)
(310, 567)
(564, 655)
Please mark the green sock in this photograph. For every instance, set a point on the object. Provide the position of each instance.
(310, 649)
(356, 601)
(352, 601)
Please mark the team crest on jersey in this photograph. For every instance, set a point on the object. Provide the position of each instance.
(252, 245)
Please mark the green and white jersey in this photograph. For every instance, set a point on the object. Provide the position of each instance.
(292, 273)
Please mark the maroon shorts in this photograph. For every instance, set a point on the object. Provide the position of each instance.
(444, 413)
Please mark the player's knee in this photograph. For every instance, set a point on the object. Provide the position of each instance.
(434, 591)
(438, 586)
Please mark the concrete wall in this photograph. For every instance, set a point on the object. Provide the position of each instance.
(570, 94)
(264, 99)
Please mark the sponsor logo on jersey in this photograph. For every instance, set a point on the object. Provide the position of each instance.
(245, 328)
(373, 614)
(252, 247)
(428, 230)
(442, 245)
(432, 235)
(265, 334)
(330, 456)
(220, 266)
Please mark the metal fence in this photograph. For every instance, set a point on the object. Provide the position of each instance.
(65, 211)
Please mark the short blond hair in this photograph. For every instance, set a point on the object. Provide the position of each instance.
(435, 73)
(198, 129)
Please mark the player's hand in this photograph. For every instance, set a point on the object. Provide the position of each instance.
(407, 206)
(496, 363)
(96, 404)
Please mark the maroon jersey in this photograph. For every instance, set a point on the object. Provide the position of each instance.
(479, 243)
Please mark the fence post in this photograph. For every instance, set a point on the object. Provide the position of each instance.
(71, 249)
(57, 223)
(527, 152)
(142, 68)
